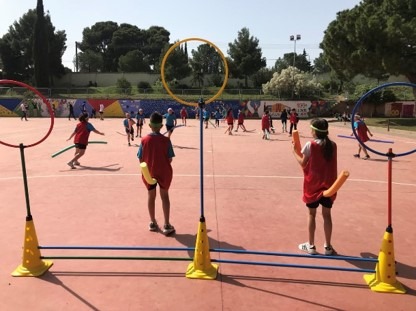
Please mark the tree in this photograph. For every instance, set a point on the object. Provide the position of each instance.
(97, 39)
(17, 49)
(246, 55)
(156, 39)
(320, 65)
(40, 48)
(177, 66)
(300, 61)
(376, 38)
(205, 60)
(292, 81)
(133, 61)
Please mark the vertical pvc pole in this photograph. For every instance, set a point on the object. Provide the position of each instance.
(22, 157)
(201, 105)
(389, 190)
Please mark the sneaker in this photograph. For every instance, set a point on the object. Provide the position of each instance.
(71, 165)
(168, 229)
(153, 226)
(310, 249)
(77, 163)
(366, 157)
(329, 250)
(356, 155)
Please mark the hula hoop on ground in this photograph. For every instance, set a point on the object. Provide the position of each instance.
(372, 140)
(72, 146)
(162, 71)
(357, 106)
(48, 105)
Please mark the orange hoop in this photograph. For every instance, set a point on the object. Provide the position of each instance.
(162, 71)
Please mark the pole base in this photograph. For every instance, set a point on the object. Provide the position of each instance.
(207, 274)
(34, 271)
(382, 287)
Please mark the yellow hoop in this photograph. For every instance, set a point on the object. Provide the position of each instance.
(162, 71)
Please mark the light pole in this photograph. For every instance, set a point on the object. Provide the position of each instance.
(294, 38)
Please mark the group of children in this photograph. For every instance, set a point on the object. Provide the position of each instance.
(267, 122)
(318, 160)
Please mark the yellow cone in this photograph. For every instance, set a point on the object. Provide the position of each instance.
(384, 280)
(32, 264)
(201, 267)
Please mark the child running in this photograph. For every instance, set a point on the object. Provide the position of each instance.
(362, 130)
(265, 125)
(140, 120)
(240, 122)
(81, 133)
(230, 121)
(184, 115)
(128, 123)
(170, 121)
(318, 160)
(157, 152)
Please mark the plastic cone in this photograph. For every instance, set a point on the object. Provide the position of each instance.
(32, 264)
(384, 280)
(201, 267)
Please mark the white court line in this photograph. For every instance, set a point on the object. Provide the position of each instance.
(195, 175)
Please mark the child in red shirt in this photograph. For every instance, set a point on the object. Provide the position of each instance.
(81, 133)
(156, 151)
(265, 125)
(318, 160)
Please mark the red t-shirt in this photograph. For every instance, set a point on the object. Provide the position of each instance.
(362, 129)
(265, 122)
(241, 118)
(82, 131)
(319, 174)
(154, 150)
(230, 118)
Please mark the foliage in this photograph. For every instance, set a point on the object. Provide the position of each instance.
(290, 82)
(17, 48)
(246, 55)
(40, 48)
(299, 61)
(133, 61)
(124, 85)
(376, 38)
(177, 66)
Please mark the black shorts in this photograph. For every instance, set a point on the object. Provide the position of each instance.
(170, 128)
(80, 146)
(324, 201)
(131, 131)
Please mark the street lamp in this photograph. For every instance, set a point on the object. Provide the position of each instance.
(294, 38)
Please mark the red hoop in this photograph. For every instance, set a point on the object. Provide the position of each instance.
(48, 105)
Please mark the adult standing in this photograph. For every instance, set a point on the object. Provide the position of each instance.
(23, 107)
(101, 111)
(283, 117)
(71, 111)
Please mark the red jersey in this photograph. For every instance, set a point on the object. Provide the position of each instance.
(156, 150)
(294, 117)
(361, 129)
(241, 118)
(82, 131)
(230, 118)
(265, 122)
(319, 174)
(184, 113)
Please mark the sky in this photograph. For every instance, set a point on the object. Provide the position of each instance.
(272, 22)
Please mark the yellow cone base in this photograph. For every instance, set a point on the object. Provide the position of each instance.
(206, 274)
(382, 287)
(33, 271)
(201, 267)
(384, 280)
(31, 265)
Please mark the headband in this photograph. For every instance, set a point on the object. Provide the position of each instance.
(155, 124)
(318, 130)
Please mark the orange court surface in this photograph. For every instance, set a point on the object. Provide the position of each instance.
(252, 201)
